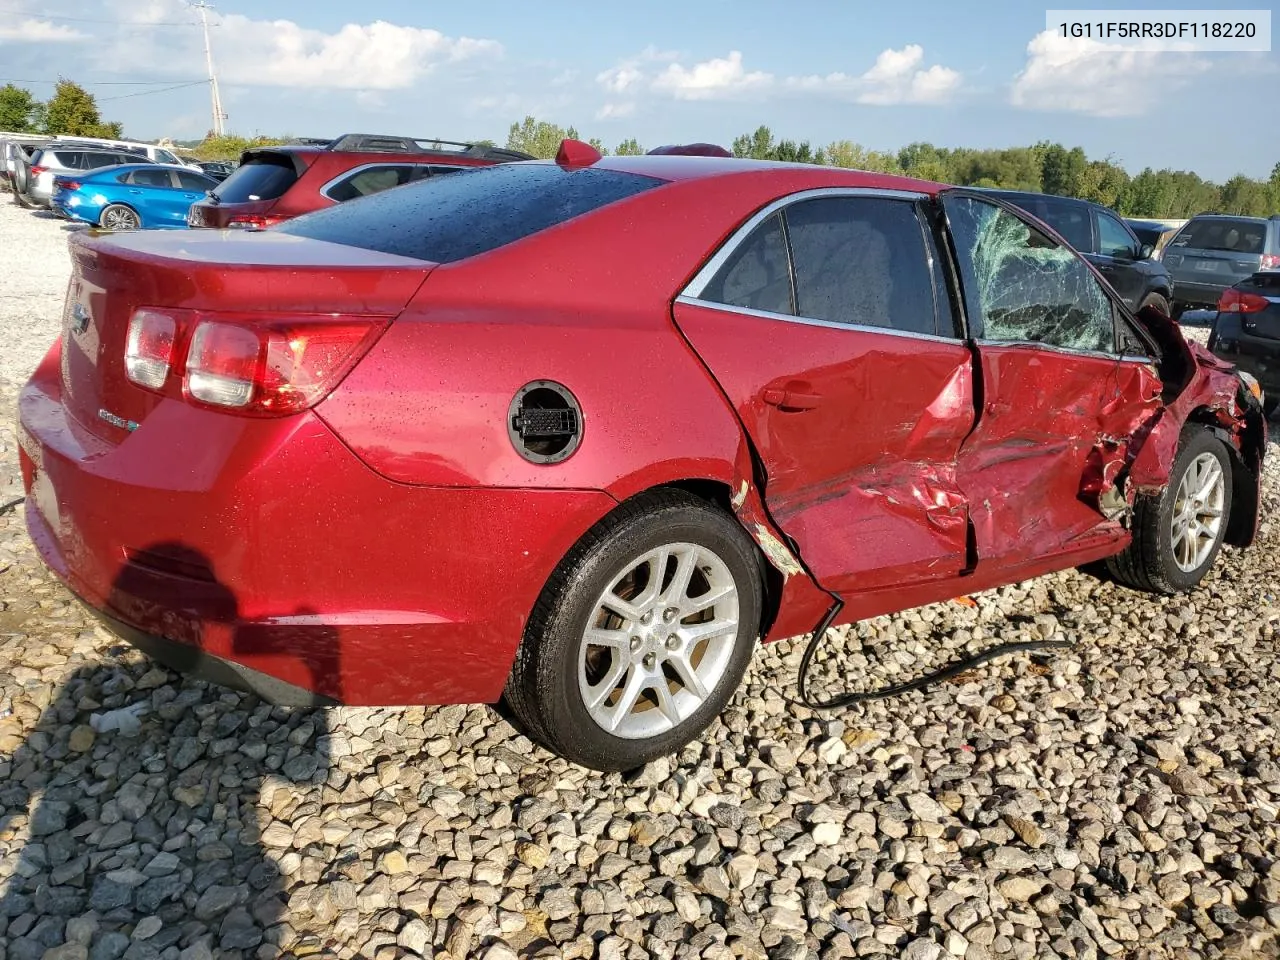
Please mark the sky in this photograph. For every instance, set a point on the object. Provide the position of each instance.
(664, 71)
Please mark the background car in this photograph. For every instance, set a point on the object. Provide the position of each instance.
(219, 170)
(55, 159)
(388, 453)
(1213, 252)
(273, 184)
(1246, 331)
(153, 152)
(1106, 241)
(1156, 233)
(131, 196)
(16, 149)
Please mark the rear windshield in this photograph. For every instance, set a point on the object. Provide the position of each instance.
(1234, 236)
(262, 178)
(443, 219)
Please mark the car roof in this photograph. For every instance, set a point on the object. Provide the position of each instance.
(1231, 216)
(679, 167)
(1032, 195)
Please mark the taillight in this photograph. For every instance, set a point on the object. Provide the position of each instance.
(274, 368)
(1270, 261)
(222, 364)
(149, 348)
(36, 171)
(66, 184)
(1236, 301)
(255, 221)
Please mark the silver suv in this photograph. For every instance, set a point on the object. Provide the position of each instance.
(56, 161)
(1214, 251)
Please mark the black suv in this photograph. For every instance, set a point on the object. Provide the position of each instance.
(1106, 241)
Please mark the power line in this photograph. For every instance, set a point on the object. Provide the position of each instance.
(126, 23)
(144, 93)
(103, 83)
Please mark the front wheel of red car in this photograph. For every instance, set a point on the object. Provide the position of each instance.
(1177, 535)
(642, 634)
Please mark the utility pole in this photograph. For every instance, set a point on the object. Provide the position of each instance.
(218, 116)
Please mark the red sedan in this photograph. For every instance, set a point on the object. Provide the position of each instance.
(583, 432)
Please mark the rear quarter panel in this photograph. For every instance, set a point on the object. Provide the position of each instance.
(586, 304)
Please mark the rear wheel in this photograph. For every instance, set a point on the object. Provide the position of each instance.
(1177, 535)
(117, 216)
(641, 635)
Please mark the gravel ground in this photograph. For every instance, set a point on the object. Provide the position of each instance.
(1116, 800)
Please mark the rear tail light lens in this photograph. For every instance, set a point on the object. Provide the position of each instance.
(1236, 301)
(222, 364)
(149, 348)
(66, 184)
(36, 171)
(254, 222)
(1271, 261)
(247, 364)
(277, 368)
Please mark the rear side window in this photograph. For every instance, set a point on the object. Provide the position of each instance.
(861, 261)
(1069, 219)
(150, 178)
(370, 180)
(1226, 234)
(70, 159)
(757, 276)
(190, 180)
(262, 178)
(443, 219)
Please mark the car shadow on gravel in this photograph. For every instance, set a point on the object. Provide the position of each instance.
(148, 805)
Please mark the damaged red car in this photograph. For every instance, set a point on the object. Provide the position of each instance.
(582, 432)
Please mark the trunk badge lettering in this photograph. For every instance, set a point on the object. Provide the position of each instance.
(115, 421)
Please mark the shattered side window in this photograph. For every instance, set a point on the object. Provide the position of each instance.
(1020, 286)
(757, 276)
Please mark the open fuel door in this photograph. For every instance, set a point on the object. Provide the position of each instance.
(819, 319)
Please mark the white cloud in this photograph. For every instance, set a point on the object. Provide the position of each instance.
(38, 31)
(282, 53)
(1087, 76)
(616, 111)
(896, 77)
(717, 79)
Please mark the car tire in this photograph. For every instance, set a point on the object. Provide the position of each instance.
(1159, 561)
(572, 695)
(118, 216)
(1157, 301)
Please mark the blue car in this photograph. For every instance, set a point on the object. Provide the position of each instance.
(130, 196)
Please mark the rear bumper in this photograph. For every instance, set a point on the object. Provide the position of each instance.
(1255, 356)
(1194, 294)
(218, 543)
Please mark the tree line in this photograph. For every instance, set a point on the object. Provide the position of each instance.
(1045, 167)
(1042, 168)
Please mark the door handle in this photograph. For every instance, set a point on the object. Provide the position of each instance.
(789, 399)
(135, 191)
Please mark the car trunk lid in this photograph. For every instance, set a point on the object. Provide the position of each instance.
(244, 277)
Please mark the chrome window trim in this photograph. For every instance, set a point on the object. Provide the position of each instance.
(1050, 348)
(698, 284)
(1145, 361)
(348, 174)
(810, 322)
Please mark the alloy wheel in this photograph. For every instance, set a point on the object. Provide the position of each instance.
(659, 641)
(1197, 512)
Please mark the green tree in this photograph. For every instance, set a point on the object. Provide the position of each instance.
(1249, 198)
(1062, 171)
(19, 110)
(853, 156)
(755, 146)
(73, 111)
(542, 139)
(629, 148)
(230, 146)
